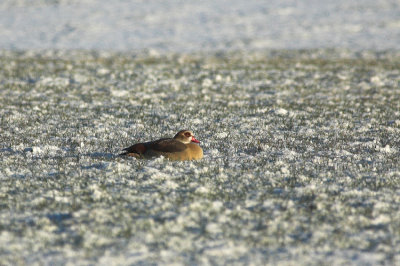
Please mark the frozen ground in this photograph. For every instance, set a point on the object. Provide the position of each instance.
(301, 147)
(301, 158)
(199, 25)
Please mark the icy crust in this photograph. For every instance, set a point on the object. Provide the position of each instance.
(301, 160)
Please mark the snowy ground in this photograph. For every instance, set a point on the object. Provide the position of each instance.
(301, 165)
(301, 158)
(177, 25)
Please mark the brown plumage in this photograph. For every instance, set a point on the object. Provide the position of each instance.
(182, 147)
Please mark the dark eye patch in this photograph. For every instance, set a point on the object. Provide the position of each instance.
(187, 134)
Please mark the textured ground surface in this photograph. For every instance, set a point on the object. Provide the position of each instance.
(301, 158)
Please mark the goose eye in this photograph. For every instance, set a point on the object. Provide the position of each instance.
(187, 134)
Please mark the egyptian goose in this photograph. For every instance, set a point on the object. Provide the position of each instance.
(179, 148)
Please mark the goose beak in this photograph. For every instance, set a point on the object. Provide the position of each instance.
(195, 140)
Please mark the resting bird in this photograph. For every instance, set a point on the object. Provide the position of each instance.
(184, 146)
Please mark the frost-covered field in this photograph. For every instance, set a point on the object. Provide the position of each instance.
(301, 165)
(171, 25)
